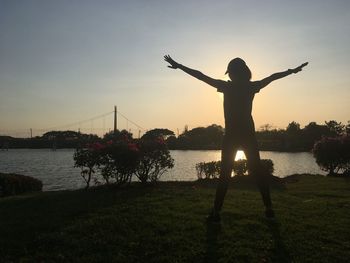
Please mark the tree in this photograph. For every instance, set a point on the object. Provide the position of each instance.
(156, 133)
(64, 139)
(347, 128)
(87, 159)
(271, 140)
(292, 140)
(312, 133)
(266, 127)
(154, 160)
(335, 128)
(171, 141)
(66, 135)
(333, 154)
(118, 135)
(202, 138)
(293, 128)
(185, 129)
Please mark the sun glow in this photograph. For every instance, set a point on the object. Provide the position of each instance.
(221, 96)
(240, 155)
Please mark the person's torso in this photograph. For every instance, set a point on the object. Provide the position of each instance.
(238, 102)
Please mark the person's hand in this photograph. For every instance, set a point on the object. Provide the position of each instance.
(173, 63)
(297, 69)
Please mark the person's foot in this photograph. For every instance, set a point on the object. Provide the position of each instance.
(214, 217)
(269, 213)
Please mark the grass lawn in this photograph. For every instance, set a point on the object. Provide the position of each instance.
(166, 223)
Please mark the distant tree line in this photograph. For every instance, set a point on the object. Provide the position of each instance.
(200, 138)
(291, 139)
(52, 139)
(297, 139)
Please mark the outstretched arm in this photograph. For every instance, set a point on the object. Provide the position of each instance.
(266, 81)
(194, 73)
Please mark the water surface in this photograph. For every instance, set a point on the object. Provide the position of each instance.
(56, 168)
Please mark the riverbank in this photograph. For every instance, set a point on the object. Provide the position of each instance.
(166, 223)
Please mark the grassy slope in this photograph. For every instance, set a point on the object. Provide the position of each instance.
(166, 223)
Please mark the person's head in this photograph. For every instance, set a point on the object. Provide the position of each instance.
(238, 70)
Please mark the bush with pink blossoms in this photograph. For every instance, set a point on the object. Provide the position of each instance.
(122, 157)
(119, 161)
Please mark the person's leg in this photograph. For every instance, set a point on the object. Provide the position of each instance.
(227, 154)
(259, 173)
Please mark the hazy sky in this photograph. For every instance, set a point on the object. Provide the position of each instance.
(66, 61)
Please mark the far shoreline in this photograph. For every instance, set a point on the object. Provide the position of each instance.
(219, 149)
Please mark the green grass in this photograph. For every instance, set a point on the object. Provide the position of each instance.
(166, 223)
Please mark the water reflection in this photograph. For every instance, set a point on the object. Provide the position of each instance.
(56, 169)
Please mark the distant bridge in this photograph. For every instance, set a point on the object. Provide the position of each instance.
(100, 125)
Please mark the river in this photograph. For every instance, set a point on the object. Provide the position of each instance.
(56, 168)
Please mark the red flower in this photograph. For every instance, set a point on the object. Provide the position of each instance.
(160, 140)
(97, 146)
(133, 147)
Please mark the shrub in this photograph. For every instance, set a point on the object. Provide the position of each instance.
(333, 154)
(119, 161)
(122, 157)
(210, 170)
(240, 167)
(13, 184)
(88, 160)
(154, 159)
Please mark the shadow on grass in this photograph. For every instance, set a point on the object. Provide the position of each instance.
(213, 230)
(280, 252)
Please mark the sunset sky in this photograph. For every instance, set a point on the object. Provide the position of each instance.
(66, 61)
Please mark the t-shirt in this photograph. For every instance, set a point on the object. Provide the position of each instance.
(238, 102)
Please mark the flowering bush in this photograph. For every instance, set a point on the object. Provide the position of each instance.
(154, 160)
(333, 154)
(122, 157)
(119, 161)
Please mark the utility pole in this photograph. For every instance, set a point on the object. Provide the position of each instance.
(31, 133)
(115, 119)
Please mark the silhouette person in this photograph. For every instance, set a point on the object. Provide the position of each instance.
(238, 93)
